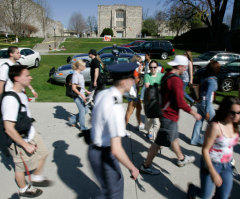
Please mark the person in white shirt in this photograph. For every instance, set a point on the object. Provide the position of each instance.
(5, 83)
(26, 146)
(108, 126)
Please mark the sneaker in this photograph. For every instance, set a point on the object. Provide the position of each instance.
(149, 170)
(150, 136)
(31, 192)
(43, 183)
(141, 127)
(190, 187)
(186, 160)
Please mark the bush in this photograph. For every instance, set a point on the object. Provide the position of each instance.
(107, 31)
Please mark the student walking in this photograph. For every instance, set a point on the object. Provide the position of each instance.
(108, 127)
(78, 86)
(221, 136)
(173, 100)
(27, 146)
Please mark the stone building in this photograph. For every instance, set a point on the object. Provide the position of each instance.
(124, 20)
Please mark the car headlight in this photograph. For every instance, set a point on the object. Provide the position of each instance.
(60, 74)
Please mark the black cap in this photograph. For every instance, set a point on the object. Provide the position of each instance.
(122, 71)
(93, 52)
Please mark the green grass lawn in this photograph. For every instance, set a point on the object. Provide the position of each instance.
(28, 42)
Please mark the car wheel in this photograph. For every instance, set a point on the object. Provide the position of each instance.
(164, 55)
(227, 85)
(37, 63)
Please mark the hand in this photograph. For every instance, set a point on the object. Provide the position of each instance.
(197, 116)
(207, 117)
(88, 92)
(134, 173)
(216, 178)
(84, 98)
(30, 148)
(95, 84)
(35, 94)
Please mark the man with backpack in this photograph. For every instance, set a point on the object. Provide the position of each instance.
(25, 144)
(172, 102)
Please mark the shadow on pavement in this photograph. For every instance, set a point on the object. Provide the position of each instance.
(68, 170)
(61, 113)
(14, 196)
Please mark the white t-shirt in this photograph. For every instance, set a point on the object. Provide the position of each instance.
(78, 79)
(10, 107)
(4, 69)
(108, 117)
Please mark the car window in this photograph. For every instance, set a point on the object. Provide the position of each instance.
(108, 60)
(29, 52)
(206, 56)
(235, 63)
(148, 44)
(121, 60)
(23, 52)
(221, 57)
(128, 50)
(3, 54)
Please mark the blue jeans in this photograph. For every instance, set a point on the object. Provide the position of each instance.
(201, 109)
(207, 185)
(185, 84)
(83, 109)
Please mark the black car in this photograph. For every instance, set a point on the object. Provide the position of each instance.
(228, 78)
(160, 48)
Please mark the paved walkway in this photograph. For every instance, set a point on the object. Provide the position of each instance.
(68, 167)
(44, 46)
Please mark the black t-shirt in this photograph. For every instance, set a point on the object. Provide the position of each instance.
(93, 65)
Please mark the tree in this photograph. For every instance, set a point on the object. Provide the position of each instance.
(149, 27)
(107, 31)
(77, 23)
(29, 29)
(92, 24)
(44, 14)
(16, 13)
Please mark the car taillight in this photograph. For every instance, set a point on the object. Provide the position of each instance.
(173, 50)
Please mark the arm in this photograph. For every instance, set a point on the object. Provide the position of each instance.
(146, 81)
(120, 154)
(96, 74)
(1, 86)
(210, 136)
(75, 90)
(35, 94)
(190, 69)
(15, 136)
(210, 90)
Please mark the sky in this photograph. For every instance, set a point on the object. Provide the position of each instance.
(63, 9)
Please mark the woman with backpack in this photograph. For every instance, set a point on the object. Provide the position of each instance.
(221, 136)
(78, 86)
(208, 85)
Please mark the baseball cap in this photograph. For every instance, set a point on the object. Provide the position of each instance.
(179, 60)
(93, 52)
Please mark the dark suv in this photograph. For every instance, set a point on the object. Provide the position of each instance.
(159, 48)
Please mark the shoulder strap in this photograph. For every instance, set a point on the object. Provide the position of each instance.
(168, 77)
(6, 64)
(13, 94)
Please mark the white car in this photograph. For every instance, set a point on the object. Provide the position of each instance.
(29, 57)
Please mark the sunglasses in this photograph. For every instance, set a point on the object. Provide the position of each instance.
(233, 113)
(152, 67)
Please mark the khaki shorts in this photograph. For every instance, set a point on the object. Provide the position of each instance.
(31, 160)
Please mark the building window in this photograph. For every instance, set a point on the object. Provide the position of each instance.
(119, 14)
(119, 24)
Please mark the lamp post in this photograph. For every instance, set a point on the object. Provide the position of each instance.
(55, 45)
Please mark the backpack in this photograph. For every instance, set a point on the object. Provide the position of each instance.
(102, 78)
(153, 99)
(69, 92)
(23, 123)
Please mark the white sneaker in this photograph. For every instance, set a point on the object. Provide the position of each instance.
(187, 160)
(141, 127)
(128, 134)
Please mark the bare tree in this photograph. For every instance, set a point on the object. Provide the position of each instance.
(77, 23)
(44, 14)
(92, 24)
(16, 13)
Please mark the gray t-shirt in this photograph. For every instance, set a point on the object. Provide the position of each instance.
(78, 79)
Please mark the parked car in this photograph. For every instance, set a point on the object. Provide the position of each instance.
(158, 48)
(228, 78)
(133, 43)
(62, 72)
(222, 57)
(29, 57)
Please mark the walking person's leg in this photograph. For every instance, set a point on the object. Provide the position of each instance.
(82, 111)
(185, 84)
(130, 109)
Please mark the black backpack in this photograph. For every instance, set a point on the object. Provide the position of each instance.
(69, 92)
(153, 99)
(23, 123)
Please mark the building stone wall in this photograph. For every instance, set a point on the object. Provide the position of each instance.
(125, 21)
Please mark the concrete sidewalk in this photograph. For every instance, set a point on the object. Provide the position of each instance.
(68, 166)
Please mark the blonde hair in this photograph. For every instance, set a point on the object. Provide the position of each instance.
(78, 63)
(188, 53)
(99, 59)
(136, 58)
